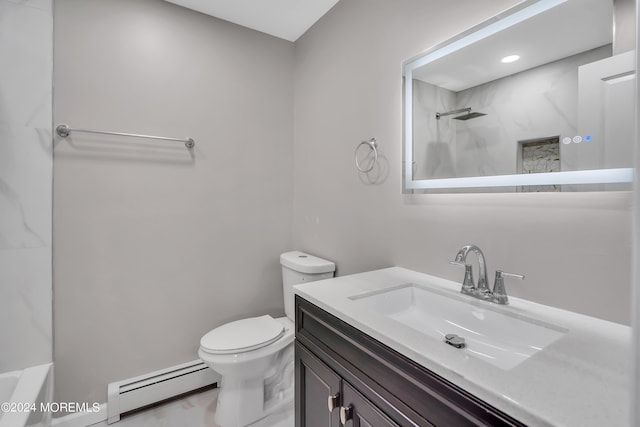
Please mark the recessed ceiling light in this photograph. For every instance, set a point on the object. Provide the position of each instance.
(510, 58)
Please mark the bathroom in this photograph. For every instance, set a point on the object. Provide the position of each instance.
(120, 254)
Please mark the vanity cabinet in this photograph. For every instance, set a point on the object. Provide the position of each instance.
(345, 377)
(325, 398)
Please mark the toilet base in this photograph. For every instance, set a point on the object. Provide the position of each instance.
(244, 401)
(241, 403)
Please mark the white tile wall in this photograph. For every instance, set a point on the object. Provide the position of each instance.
(26, 29)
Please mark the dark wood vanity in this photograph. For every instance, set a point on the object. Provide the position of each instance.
(345, 377)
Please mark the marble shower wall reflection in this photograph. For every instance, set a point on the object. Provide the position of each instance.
(26, 62)
(537, 103)
(434, 150)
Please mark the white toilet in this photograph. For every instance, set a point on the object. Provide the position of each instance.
(255, 355)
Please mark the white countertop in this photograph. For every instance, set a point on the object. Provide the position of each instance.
(582, 379)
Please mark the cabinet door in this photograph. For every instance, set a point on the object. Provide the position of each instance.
(357, 411)
(316, 384)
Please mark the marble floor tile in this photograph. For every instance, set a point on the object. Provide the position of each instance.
(195, 410)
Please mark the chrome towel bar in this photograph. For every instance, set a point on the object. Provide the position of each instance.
(65, 130)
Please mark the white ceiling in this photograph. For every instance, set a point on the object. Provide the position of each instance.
(287, 19)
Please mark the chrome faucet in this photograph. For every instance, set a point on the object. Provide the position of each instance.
(481, 289)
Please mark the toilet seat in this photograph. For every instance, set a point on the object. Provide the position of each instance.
(242, 335)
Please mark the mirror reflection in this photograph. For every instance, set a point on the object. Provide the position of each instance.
(552, 93)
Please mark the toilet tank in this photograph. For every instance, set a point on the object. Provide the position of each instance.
(298, 267)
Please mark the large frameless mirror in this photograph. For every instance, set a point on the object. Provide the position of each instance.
(539, 98)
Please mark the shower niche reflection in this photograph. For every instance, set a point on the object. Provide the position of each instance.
(469, 116)
(539, 156)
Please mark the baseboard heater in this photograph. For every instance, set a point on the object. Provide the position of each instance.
(134, 393)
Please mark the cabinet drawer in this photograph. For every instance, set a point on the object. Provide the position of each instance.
(405, 391)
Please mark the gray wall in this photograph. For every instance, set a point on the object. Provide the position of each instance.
(154, 245)
(624, 31)
(573, 248)
(26, 61)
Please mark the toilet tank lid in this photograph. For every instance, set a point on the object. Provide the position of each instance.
(305, 263)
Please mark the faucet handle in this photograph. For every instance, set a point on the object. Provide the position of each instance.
(499, 294)
(510, 275)
(467, 284)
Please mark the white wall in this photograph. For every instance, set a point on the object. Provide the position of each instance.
(635, 301)
(25, 183)
(154, 245)
(573, 248)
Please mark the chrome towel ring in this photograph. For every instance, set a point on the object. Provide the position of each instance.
(373, 145)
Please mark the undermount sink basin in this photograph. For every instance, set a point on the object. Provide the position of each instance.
(491, 333)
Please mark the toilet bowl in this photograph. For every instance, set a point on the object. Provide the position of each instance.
(254, 356)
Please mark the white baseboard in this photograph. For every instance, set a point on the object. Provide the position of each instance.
(134, 393)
